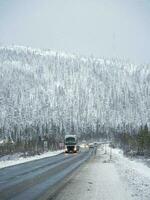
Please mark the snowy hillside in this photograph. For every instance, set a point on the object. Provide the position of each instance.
(42, 86)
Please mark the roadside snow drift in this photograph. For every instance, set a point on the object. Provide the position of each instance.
(16, 159)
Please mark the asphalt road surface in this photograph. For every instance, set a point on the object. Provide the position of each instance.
(98, 179)
(39, 179)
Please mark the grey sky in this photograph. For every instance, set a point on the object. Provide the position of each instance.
(102, 28)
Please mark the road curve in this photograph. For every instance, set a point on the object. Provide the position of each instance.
(38, 179)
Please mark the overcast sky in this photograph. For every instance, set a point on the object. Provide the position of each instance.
(102, 28)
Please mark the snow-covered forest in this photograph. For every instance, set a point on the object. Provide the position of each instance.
(46, 92)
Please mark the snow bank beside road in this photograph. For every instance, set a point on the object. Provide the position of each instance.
(136, 164)
(135, 174)
(17, 158)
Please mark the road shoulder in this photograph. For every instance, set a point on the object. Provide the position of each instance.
(97, 179)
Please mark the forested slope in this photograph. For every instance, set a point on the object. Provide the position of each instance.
(43, 91)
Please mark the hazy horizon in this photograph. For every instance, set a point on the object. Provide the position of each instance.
(106, 28)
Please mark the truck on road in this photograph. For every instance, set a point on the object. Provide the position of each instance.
(71, 144)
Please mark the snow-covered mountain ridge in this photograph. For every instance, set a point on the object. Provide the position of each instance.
(40, 86)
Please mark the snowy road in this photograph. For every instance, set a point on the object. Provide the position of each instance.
(98, 180)
(38, 179)
(102, 178)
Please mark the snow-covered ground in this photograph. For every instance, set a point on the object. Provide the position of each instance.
(135, 174)
(18, 158)
(108, 177)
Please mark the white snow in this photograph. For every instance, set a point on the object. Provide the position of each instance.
(17, 158)
(140, 167)
(106, 177)
(58, 82)
(97, 180)
(134, 173)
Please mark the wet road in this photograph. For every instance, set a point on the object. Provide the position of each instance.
(39, 179)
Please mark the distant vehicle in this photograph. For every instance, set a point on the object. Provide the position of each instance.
(84, 144)
(95, 144)
(71, 144)
(91, 145)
